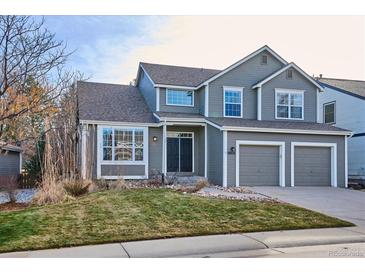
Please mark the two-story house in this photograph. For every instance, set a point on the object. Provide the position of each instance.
(342, 104)
(254, 123)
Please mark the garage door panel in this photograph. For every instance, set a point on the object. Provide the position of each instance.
(259, 165)
(312, 166)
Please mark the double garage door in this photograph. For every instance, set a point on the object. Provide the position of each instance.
(260, 165)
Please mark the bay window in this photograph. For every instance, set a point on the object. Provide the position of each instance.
(289, 104)
(123, 144)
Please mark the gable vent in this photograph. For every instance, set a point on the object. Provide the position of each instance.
(263, 59)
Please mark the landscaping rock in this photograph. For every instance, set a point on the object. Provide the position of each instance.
(22, 196)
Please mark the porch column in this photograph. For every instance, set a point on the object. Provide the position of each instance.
(83, 150)
(164, 142)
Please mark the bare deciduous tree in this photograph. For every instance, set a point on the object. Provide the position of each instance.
(32, 73)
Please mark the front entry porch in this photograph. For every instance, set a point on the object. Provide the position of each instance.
(184, 150)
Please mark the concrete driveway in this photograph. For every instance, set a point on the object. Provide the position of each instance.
(342, 203)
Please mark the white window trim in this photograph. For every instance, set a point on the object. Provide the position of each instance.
(262, 143)
(123, 162)
(157, 99)
(206, 100)
(333, 147)
(193, 144)
(288, 91)
(239, 89)
(179, 105)
(334, 112)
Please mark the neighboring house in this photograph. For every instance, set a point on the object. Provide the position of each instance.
(254, 123)
(343, 104)
(10, 163)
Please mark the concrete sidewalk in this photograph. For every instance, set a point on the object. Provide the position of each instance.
(257, 244)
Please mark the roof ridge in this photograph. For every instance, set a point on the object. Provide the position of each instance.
(103, 83)
(341, 79)
(178, 66)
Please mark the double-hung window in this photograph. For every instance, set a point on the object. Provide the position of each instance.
(178, 97)
(329, 112)
(121, 144)
(233, 99)
(289, 104)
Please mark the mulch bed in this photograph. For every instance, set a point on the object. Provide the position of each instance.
(13, 206)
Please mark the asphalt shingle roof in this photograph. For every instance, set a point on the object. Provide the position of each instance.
(176, 75)
(356, 87)
(234, 122)
(179, 115)
(111, 102)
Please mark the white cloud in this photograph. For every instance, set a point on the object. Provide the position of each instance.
(331, 45)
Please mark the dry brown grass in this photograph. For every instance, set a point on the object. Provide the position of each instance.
(50, 192)
(76, 188)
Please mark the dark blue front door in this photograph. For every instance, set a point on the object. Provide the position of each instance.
(179, 154)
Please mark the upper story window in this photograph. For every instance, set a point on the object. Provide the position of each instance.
(232, 105)
(329, 113)
(123, 144)
(289, 74)
(263, 59)
(177, 97)
(289, 104)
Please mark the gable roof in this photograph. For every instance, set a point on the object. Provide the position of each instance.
(190, 77)
(8, 147)
(111, 102)
(176, 75)
(291, 65)
(248, 57)
(351, 87)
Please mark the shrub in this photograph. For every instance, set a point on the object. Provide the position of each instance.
(76, 188)
(200, 184)
(50, 192)
(9, 184)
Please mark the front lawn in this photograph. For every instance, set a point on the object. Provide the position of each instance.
(113, 216)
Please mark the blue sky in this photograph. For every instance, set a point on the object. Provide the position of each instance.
(99, 41)
(109, 48)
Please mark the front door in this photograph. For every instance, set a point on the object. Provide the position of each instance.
(179, 152)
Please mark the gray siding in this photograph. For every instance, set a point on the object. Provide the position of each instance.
(298, 82)
(193, 109)
(287, 138)
(148, 91)
(122, 170)
(245, 75)
(155, 150)
(198, 145)
(215, 155)
(9, 163)
(201, 93)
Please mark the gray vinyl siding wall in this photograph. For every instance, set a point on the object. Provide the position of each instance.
(122, 170)
(287, 138)
(184, 109)
(298, 82)
(198, 145)
(245, 75)
(155, 150)
(9, 163)
(201, 93)
(148, 91)
(215, 155)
